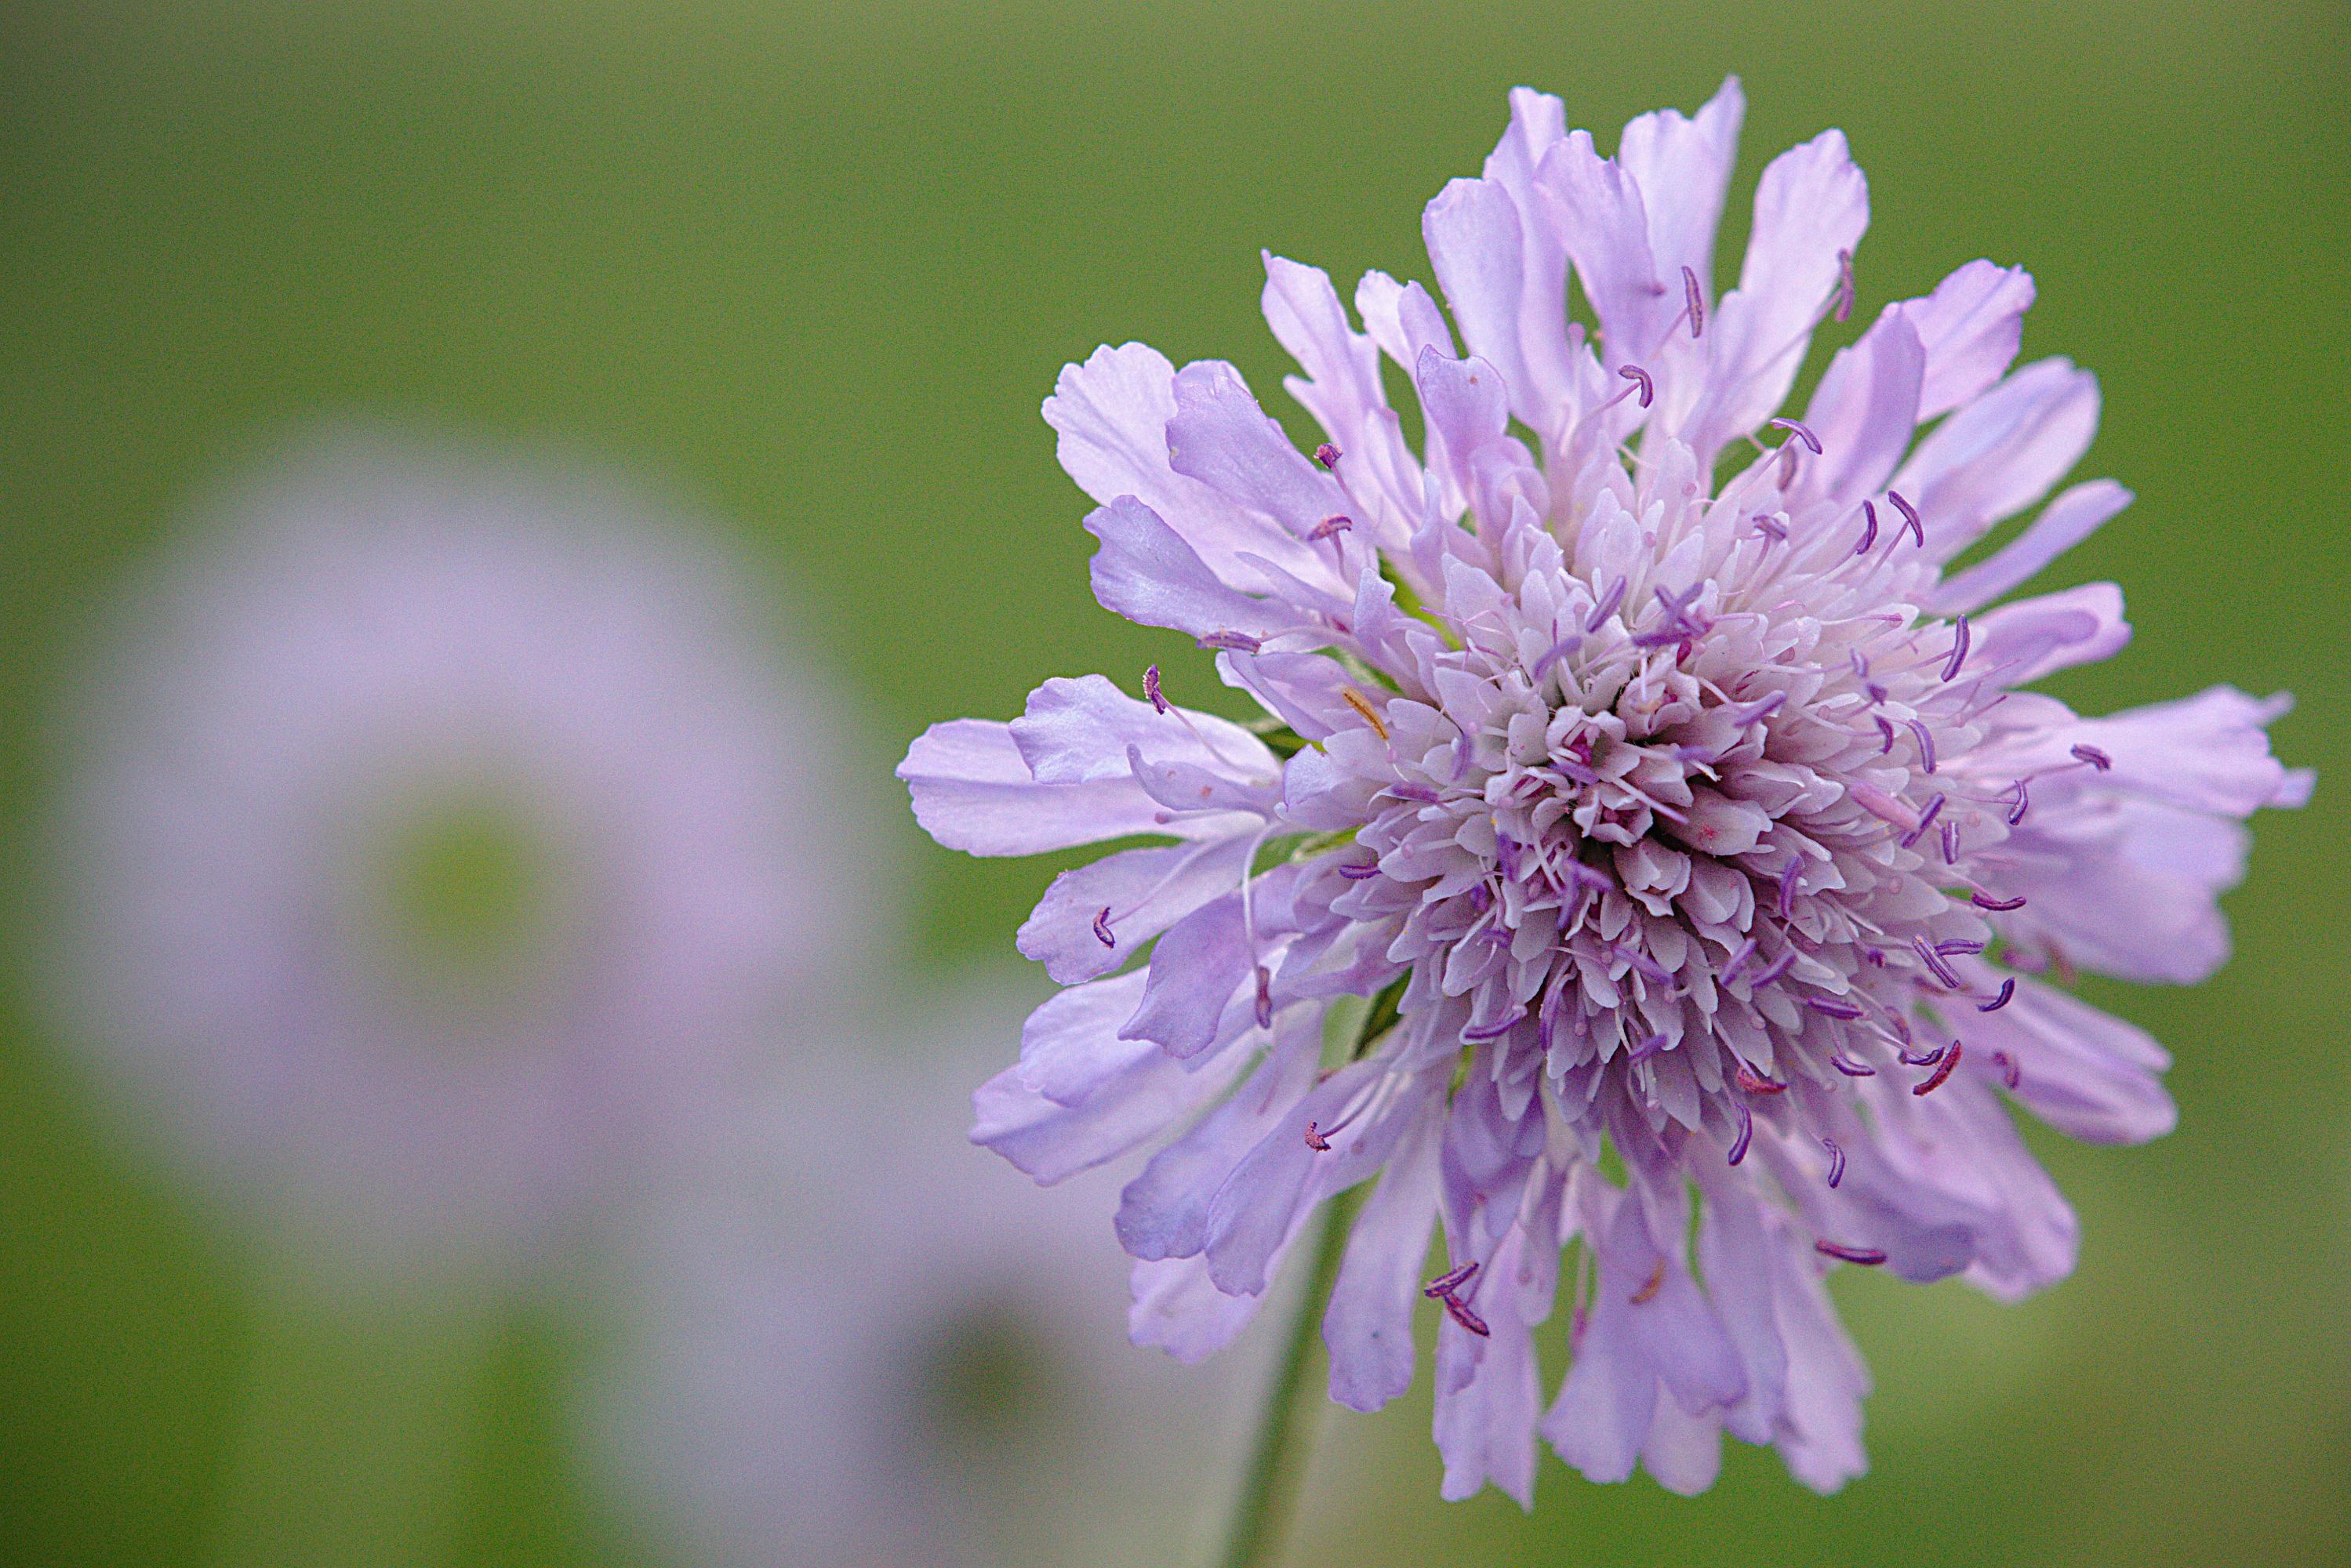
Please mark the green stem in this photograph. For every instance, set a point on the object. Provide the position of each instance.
(1284, 1442)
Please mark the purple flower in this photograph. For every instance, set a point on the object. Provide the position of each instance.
(1629, 769)
(441, 840)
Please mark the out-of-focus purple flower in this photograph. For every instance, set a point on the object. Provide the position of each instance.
(1689, 841)
(441, 836)
(854, 1339)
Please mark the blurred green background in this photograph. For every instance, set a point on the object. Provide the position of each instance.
(819, 264)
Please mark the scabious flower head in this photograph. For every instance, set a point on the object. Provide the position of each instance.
(1634, 749)
(437, 839)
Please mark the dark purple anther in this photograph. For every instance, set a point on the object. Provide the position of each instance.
(1327, 454)
(1151, 689)
(1762, 709)
(1934, 961)
(1920, 1058)
(1869, 533)
(1264, 997)
(1950, 945)
(1329, 527)
(1494, 1031)
(1788, 876)
(1886, 729)
(1737, 959)
(1833, 1006)
(1844, 310)
(1101, 928)
(1645, 1049)
(1556, 652)
(1935, 1079)
(1773, 970)
(1867, 1257)
(1958, 650)
(1360, 873)
(2010, 1073)
(2007, 989)
(1801, 432)
(1316, 1140)
(1918, 731)
(1459, 1311)
(1950, 844)
(1639, 378)
(1746, 1135)
(1850, 1068)
(2016, 812)
(1770, 525)
(1696, 304)
(1836, 1161)
(1420, 792)
(1910, 515)
(1754, 1082)
(2093, 756)
(2001, 906)
(1231, 643)
(1606, 607)
(1446, 1284)
(1926, 819)
(1642, 964)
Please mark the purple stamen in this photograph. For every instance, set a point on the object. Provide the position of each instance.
(1935, 1079)
(1950, 844)
(1950, 945)
(1556, 652)
(1833, 1006)
(1918, 728)
(1329, 527)
(1493, 1031)
(1869, 533)
(1360, 873)
(1264, 997)
(1787, 901)
(1773, 970)
(1645, 1049)
(1697, 303)
(1843, 311)
(1420, 792)
(1327, 455)
(2093, 756)
(1642, 964)
(1801, 432)
(1640, 378)
(1909, 516)
(1754, 1082)
(2010, 1073)
(2016, 812)
(1867, 1257)
(1746, 1135)
(1459, 1311)
(1101, 928)
(1885, 728)
(1754, 711)
(1958, 650)
(1934, 961)
(2007, 989)
(1231, 641)
(1738, 958)
(1836, 1161)
(1606, 607)
(1921, 1057)
(2001, 906)
(1851, 1068)
(1925, 818)
(1446, 1284)
(1767, 524)
(1316, 1140)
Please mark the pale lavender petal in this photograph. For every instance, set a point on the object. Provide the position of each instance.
(2065, 522)
(1368, 1327)
(1997, 455)
(2023, 641)
(1970, 326)
(2085, 1073)
(1865, 411)
(1146, 572)
(1134, 895)
(973, 792)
